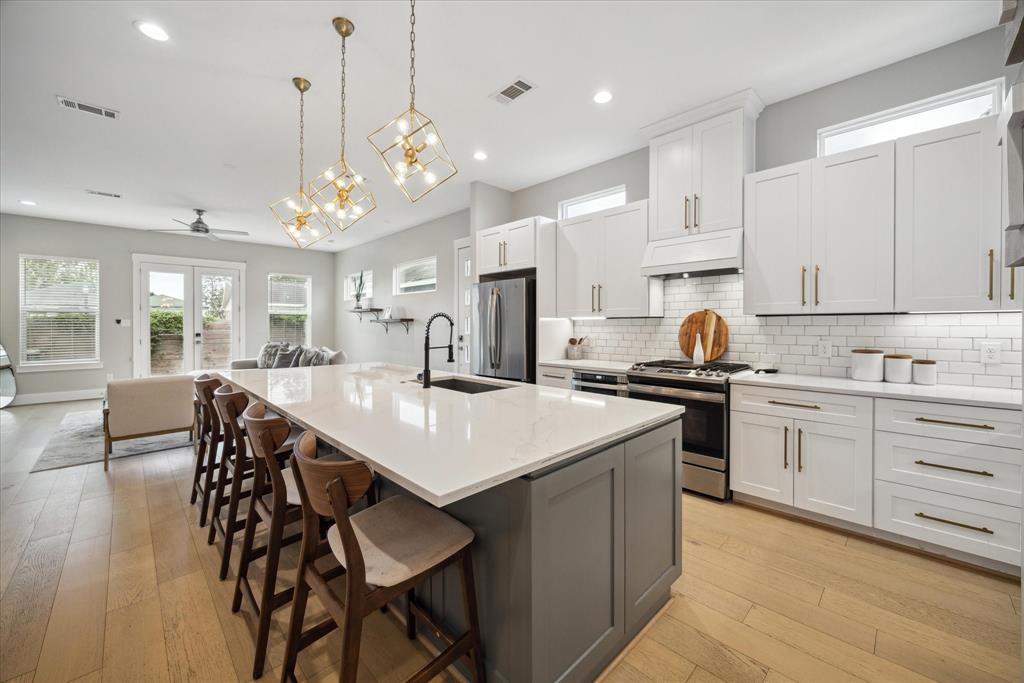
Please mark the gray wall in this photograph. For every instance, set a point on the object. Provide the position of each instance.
(364, 341)
(787, 131)
(113, 247)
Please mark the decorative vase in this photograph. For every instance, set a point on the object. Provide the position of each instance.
(698, 351)
(367, 302)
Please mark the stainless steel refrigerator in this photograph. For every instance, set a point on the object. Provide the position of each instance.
(503, 336)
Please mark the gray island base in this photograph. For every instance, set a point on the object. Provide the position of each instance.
(571, 561)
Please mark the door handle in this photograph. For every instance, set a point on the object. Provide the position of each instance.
(696, 211)
(599, 298)
(817, 269)
(686, 212)
(991, 267)
(499, 323)
(785, 448)
(593, 306)
(505, 252)
(800, 450)
(803, 285)
(1013, 286)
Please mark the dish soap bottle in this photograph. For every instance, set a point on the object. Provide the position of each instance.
(698, 351)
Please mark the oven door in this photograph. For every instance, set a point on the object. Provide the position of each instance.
(605, 384)
(705, 426)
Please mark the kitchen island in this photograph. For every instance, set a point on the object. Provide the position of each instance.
(574, 499)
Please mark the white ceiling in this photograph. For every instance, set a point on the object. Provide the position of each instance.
(209, 118)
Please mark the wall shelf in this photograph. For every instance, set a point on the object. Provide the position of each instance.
(360, 311)
(404, 322)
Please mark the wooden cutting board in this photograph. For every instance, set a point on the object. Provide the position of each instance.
(714, 334)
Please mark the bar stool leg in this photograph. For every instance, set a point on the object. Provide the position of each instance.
(352, 635)
(211, 465)
(233, 500)
(227, 447)
(291, 652)
(273, 558)
(199, 470)
(469, 598)
(410, 618)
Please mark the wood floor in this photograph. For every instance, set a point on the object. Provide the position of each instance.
(105, 577)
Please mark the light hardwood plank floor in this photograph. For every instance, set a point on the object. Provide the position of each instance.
(105, 577)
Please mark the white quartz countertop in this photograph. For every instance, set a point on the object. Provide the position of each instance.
(593, 365)
(983, 397)
(440, 444)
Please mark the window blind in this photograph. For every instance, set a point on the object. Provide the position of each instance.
(59, 302)
(289, 308)
(416, 276)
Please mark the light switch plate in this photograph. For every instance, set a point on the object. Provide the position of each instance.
(990, 352)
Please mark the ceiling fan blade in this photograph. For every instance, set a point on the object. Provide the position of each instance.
(168, 230)
(230, 232)
(211, 236)
(182, 222)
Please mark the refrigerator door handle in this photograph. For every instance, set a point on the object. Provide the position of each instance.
(499, 324)
(490, 328)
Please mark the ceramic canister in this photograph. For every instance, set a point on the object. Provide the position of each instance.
(866, 365)
(897, 368)
(925, 371)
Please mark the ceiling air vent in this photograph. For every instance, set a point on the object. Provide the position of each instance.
(88, 108)
(513, 91)
(99, 193)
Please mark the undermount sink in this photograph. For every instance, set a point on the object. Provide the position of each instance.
(466, 386)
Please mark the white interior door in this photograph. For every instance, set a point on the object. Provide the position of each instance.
(165, 345)
(463, 305)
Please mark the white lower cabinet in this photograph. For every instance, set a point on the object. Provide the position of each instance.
(554, 376)
(761, 450)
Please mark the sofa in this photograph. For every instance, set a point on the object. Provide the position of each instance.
(146, 406)
(336, 358)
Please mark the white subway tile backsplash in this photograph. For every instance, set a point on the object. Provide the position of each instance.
(949, 338)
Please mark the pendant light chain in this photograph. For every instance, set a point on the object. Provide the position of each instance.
(412, 56)
(342, 155)
(302, 139)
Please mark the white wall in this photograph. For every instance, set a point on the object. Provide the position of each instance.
(365, 341)
(113, 247)
(951, 339)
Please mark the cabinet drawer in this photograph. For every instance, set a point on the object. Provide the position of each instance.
(973, 526)
(990, 426)
(837, 409)
(964, 469)
(550, 376)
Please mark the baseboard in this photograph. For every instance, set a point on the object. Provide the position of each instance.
(57, 396)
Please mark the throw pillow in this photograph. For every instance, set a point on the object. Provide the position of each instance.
(299, 350)
(268, 353)
(307, 356)
(285, 357)
(320, 358)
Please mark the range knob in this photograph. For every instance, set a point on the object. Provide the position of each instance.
(720, 373)
(698, 373)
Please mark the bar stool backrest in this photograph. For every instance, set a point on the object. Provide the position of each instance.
(266, 436)
(231, 403)
(205, 386)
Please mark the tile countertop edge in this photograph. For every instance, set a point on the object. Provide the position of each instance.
(982, 397)
(592, 365)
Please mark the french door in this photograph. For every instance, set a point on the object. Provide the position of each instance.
(189, 316)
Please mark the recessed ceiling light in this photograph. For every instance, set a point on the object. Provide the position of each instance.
(602, 97)
(27, 202)
(480, 155)
(151, 30)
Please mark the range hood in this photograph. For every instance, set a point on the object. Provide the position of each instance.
(718, 250)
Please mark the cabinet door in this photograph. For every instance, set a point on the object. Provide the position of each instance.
(852, 231)
(833, 471)
(580, 264)
(718, 173)
(578, 553)
(624, 292)
(489, 250)
(519, 245)
(761, 449)
(671, 176)
(777, 240)
(947, 219)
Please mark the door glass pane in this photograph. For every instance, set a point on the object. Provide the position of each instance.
(217, 297)
(166, 323)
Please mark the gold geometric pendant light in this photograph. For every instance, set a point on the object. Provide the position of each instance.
(302, 220)
(339, 191)
(410, 145)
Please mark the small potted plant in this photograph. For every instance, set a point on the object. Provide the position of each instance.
(360, 286)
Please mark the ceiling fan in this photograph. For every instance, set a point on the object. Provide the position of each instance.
(199, 227)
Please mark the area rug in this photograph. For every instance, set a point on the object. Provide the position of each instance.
(79, 440)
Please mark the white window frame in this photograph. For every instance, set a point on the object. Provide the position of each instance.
(350, 294)
(51, 366)
(309, 301)
(565, 204)
(993, 88)
(396, 291)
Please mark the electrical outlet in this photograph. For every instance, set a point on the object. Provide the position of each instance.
(825, 348)
(990, 352)
(110, 377)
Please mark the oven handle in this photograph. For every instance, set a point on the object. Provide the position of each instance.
(709, 396)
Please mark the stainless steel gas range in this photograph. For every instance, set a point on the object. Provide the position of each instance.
(704, 391)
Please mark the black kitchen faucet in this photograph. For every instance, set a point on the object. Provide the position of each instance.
(427, 347)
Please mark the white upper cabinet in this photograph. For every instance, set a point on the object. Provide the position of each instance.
(598, 273)
(947, 219)
(507, 247)
(777, 240)
(852, 231)
(697, 168)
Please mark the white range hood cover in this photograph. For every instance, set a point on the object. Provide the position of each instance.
(719, 250)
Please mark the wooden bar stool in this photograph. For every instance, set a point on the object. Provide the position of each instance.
(212, 436)
(271, 438)
(387, 549)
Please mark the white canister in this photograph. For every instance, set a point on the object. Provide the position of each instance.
(897, 368)
(867, 365)
(925, 371)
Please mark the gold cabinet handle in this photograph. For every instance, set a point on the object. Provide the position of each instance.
(933, 421)
(982, 529)
(991, 267)
(593, 306)
(544, 374)
(983, 473)
(506, 252)
(686, 212)
(696, 211)
(785, 448)
(809, 406)
(799, 450)
(803, 285)
(599, 298)
(817, 269)
(1013, 285)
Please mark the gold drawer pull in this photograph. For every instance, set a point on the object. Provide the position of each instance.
(982, 529)
(955, 469)
(952, 424)
(544, 374)
(793, 405)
